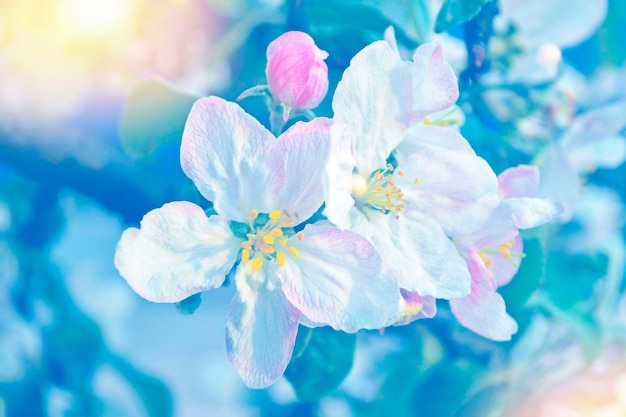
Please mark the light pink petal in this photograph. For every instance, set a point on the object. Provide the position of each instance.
(177, 252)
(445, 179)
(304, 148)
(483, 311)
(504, 267)
(519, 181)
(425, 259)
(390, 37)
(414, 307)
(435, 85)
(373, 99)
(606, 152)
(296, 72)
(225, 151)
(339, 280)
(261, 329)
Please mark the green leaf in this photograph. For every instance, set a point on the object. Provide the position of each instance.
(531, 273)
(455, 12)
(189, 305)
(154, 114)
(322, 357)
(571, 279)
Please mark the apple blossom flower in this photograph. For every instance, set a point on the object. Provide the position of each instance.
(263, 189)
(296, 72)
(594, 140)
(404, 184)
(494, 252)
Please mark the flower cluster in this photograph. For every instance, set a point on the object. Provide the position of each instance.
(357, 222)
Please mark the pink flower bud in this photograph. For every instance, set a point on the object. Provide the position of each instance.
(296, 73)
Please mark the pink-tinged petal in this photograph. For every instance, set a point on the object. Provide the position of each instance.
(261, 329)
(483, 311)
(339, 280)
(424, 258)
(338, 177)
(177, 252)
(445, 179)
(528, 212)
(296, 72)
(519, 181)
(226, 153)
(304, 148)
(414, 307)
(435, 85)
(505, 266)
(373, 99)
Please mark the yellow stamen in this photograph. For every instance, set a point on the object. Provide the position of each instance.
(417, 180)
(253, 214)
(427, 121)
(295, 252)
(275, 215)
(256, 264)
(280, 259)
(276, 232)
(269, 239)
(283, 241)
(245, 255)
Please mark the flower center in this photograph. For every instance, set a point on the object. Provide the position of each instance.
(504, 251)
(268, 237)
(379, 191)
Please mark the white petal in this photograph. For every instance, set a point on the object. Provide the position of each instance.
(374, 98)
(339, 280)
(338, 177)
(304, 149)
(226, 152)
(177, 252)
(601, 122)
(559, 179)
(528, 212)
(564, 22)
(454, 186)
(261, 330)
(425, 259)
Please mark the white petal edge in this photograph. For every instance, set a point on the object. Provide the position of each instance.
(226, 153)
(261, 330)
(339, 280)
(177, 252)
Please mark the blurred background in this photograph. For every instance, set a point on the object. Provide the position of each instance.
(94, 95)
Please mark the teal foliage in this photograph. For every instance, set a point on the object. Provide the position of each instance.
(321, 360)
(154, 115)
(455, 12)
